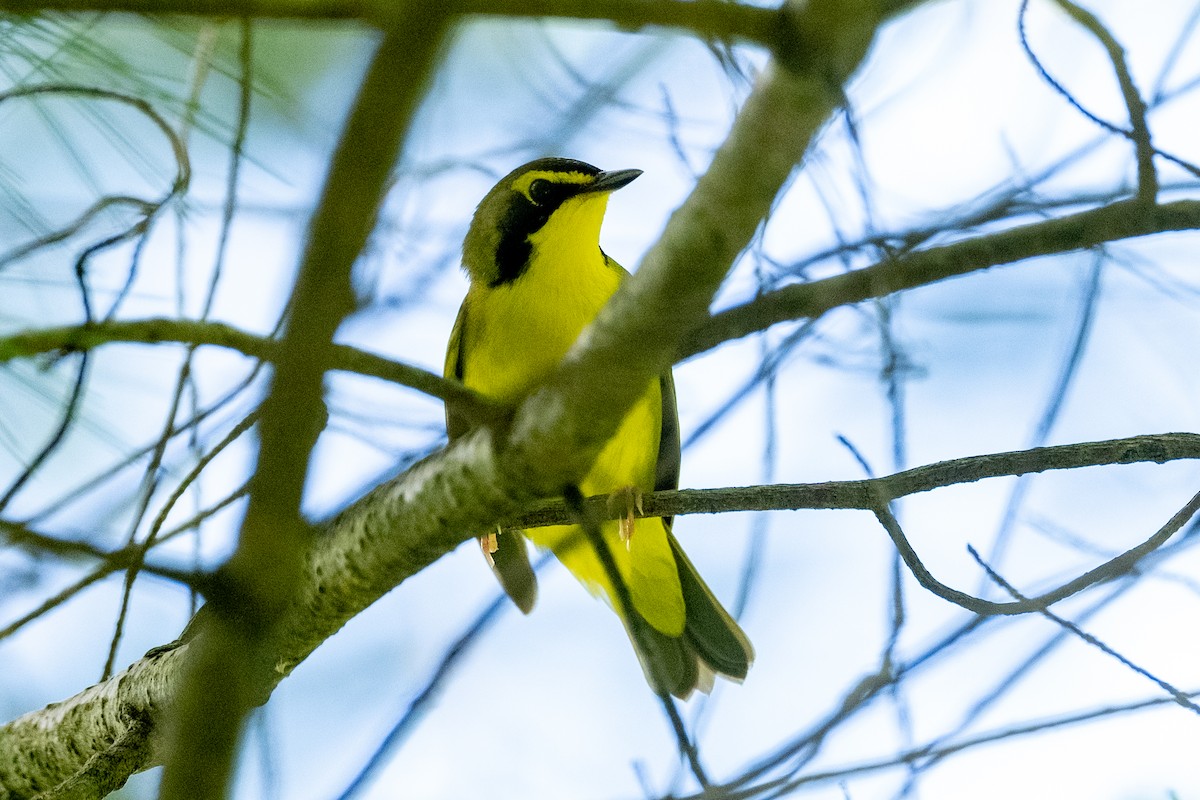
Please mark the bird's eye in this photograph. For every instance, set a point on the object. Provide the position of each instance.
(540, 190)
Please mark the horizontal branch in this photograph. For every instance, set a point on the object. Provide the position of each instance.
(701, 17)
(868, 493)
(27, 344)
(1123, 220)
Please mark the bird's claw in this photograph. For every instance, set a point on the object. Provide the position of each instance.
(489, 544)
(628, 499)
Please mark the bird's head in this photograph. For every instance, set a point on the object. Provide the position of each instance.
(548, 203)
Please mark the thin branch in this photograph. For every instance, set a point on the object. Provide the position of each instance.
(1109, 570)
(68, 417)
(1121, 220)
(160, 518)
(20, 536)
(1147, 191)
(1054, 405)
(197, 333)
(702, 17)
(590, 523)
(1177, 695)
(1140, 133)
(867, 494)
(785, 787)
(1136, 107)
(422, 703)
(149, 209)
(109, 563)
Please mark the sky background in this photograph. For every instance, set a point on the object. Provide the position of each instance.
(947, 113)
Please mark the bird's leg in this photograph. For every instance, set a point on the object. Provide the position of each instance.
(490, 544)
(628, 499)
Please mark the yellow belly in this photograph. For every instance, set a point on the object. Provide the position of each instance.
(513, 337)
(644, 560)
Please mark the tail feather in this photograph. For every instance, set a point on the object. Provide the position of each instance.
(670, 665)
(510, 563)
(710, 631)
(712, 642)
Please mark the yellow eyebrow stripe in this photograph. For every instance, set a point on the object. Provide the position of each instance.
(521, 184)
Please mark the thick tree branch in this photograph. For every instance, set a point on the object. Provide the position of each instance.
(1111, 223)
(407, 523)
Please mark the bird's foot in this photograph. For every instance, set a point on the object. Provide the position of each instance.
(628, 499)
(489, 544)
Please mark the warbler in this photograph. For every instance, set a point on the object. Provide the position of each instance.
(538, 277)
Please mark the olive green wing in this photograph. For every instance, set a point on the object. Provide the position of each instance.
(509, 559)
(456, 423)
(666, 475)
(709, 630)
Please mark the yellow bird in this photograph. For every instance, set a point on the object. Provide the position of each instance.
(538, 278)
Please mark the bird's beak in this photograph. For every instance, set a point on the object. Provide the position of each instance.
(612, 180)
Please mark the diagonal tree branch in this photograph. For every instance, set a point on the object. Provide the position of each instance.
(409, 522)
(1110, 223)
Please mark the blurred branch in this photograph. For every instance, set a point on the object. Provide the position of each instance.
(196, 332)
(1139, 134)
(1176, 694)
(1122, 220)
(781, 787)
(702, 17)
(230, 670)
(23, 537)
(149, 210)
(67, 418)
(112, 562)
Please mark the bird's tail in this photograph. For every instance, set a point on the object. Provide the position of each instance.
(712, 642)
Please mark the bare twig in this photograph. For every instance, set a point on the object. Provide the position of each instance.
(1139, 133)
(1113, 222)
(197, 333)
(784, 787)
(1177, 695)
(1109, 570)
(867, 494)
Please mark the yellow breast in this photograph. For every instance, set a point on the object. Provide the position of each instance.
(517, 333)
